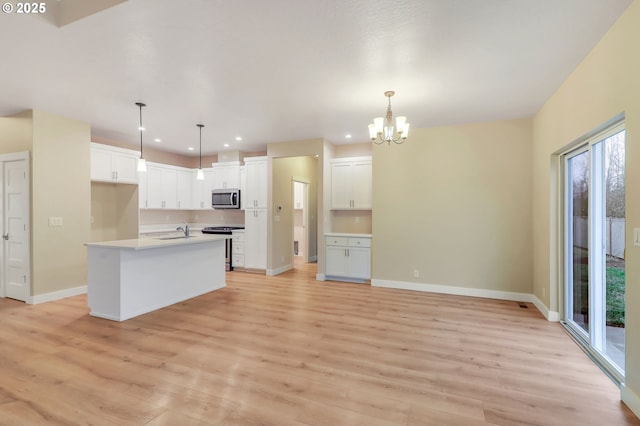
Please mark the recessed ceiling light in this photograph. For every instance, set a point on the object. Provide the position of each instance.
(191, 148)
(226, 145)
(157, 140)
(348, 136)
(238, 138)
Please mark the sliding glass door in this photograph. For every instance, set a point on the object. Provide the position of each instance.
(594, 246)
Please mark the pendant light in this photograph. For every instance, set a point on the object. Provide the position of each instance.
(142, 164)
(382, 129)
(200, 174)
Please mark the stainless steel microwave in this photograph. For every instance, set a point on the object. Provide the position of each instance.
(225, 198)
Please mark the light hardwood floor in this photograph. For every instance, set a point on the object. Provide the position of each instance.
(289, 350)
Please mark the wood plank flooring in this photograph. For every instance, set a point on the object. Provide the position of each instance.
(289, 350)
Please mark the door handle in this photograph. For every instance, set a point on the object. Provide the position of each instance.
(5, 236)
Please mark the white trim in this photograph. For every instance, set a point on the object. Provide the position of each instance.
(57, 295)
(630, 399)
(320, 277)
(553, 316)
(347, 279)
(280, 270)
(313, 258)
(460, 291)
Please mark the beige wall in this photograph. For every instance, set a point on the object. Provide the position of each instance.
(114, 211)
(60, 188)
(605, 84)
(284, 170)
(363, 149)
(455, 204)
(16, 133)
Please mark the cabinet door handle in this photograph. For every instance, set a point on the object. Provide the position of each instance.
(116, 175)
(5, 236)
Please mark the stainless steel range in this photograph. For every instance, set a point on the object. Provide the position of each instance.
(224, 230)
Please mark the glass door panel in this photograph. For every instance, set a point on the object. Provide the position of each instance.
(578, 240)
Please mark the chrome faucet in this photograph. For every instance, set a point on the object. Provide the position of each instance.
(185, 230)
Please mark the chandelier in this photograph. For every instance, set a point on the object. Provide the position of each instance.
(382, 130)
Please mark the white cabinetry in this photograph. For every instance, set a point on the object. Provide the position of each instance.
(111, 164)
(255, 234)
(162, 187)
(202, 190)
(351, 183)
(348, 257)
(226, 175)
(256, 185)
(243, 186)
(184, 194)
(237, 249)
(255, 214)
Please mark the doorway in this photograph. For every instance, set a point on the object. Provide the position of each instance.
(594, 259)
(14, 221)
(300, 216)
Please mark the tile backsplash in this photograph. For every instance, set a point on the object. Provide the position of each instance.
(214, 217)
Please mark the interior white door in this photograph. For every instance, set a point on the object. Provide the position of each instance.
(15, 228)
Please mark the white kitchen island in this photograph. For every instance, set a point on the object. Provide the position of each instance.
(127, 278)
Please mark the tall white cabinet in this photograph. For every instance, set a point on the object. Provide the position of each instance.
(255, 213)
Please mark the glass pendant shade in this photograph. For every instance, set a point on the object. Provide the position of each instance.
(200, 175)
(142, 165)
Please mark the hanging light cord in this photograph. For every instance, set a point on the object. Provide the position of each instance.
(200, 126)
(140, 104)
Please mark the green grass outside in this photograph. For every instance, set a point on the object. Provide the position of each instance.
(615, 297)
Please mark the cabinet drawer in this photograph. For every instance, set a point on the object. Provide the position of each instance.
(237, 236)
(237, 260)
(237, 247)
(359, 242)
(336, 241)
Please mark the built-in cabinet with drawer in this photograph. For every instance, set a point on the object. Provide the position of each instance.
(256, 182)
(226, 175)
(111, 164)
(351, 183)
(348, 257)
(237, 248)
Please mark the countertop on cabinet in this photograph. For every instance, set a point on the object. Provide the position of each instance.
(346, 234)
(152, 243)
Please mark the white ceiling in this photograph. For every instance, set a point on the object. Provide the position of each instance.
(281, 70)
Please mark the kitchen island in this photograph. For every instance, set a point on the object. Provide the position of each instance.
(127, 278)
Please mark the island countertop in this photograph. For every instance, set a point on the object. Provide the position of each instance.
(158, 242)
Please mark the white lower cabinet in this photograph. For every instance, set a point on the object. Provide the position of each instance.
(348, 256)
(255, 234)
(237, 249)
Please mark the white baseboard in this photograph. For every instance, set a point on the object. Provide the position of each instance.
(320, 277)
(459, 291)
(57, 295)
(280, 270)
(473, 292)
(313, 259)
(553, 316)
(631, 400)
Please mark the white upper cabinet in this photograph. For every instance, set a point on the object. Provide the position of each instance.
(185, 181)
(351, 183)
(111, 164)
(162, 187)
(256, 186)
(243, 186)
(202, 190)
(226, 175)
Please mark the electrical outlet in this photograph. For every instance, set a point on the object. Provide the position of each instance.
(357, 219)
(416, 273)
